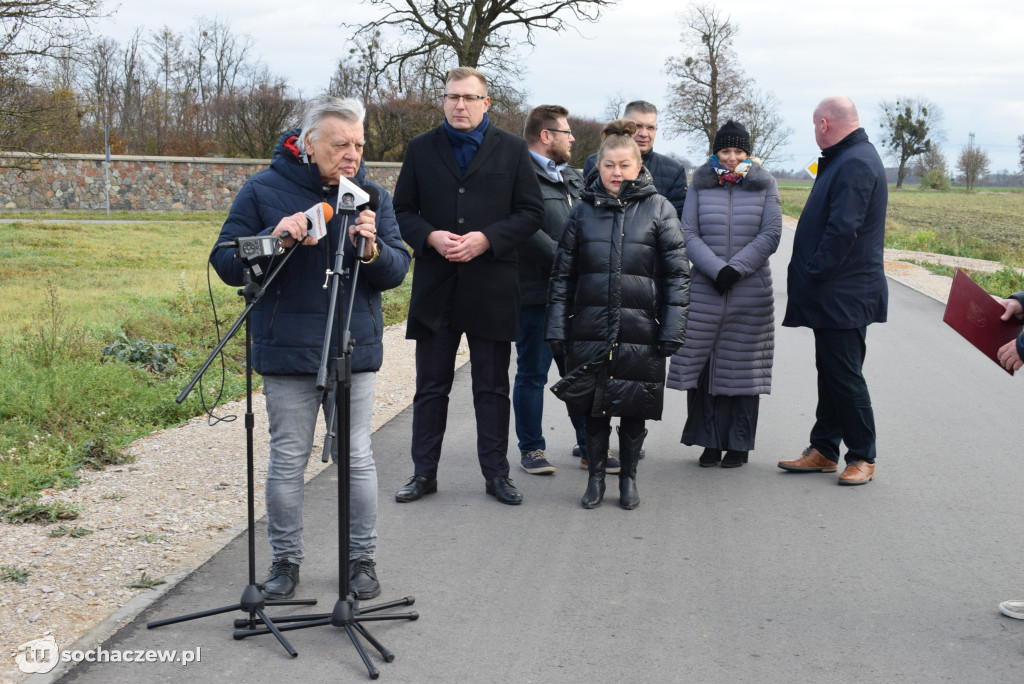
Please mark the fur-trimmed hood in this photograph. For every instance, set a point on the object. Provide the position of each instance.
(756, 180)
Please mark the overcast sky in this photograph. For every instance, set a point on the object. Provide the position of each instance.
(964, 57)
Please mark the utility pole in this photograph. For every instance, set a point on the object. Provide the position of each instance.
(106, 164)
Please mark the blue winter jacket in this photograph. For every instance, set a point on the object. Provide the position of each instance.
(289, 320)
(837, 273)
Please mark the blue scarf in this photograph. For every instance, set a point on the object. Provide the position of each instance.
(465, 145)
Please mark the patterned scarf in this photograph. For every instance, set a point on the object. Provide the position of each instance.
(727, 176)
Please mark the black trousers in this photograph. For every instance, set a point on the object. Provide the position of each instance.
(844, 411)
(435, 373)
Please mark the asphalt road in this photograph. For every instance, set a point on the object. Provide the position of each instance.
(742, 575)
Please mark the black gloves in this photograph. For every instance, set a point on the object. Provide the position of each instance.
(557, 347)
(726, 278)
(667, 349)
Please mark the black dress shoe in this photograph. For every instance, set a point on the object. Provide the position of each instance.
(282, 580)
(504, 491)
(362, 579)
(415, 488)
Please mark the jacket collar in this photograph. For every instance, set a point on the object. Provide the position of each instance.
(830, 153)
(629, 191)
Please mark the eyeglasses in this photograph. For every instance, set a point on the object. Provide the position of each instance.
(558, 130)
(468, 99)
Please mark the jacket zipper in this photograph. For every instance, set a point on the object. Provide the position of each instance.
(712, 362)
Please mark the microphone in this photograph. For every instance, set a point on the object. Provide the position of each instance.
(317, 218)
(256, 246)
(373, 204)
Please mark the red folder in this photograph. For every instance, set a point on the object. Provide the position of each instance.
(973, 313)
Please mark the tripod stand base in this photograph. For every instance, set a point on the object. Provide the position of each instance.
(253, 603)
(346, 614)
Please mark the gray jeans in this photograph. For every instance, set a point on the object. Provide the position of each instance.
(293, 403)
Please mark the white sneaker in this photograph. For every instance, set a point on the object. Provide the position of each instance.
(1014, 609)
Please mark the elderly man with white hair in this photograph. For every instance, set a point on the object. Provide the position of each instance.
(288, 325)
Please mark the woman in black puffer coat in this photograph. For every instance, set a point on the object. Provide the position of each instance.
(617, 304)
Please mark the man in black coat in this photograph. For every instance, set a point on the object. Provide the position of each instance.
(837, 288)
(669, 175)
(466, 197)
(550, 141)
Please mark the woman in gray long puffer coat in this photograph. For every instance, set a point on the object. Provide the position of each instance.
(732, 221)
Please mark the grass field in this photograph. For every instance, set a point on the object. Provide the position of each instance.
(988, 224)
(102, 271)
(70, 288)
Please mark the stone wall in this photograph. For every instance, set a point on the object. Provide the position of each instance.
(76, 181)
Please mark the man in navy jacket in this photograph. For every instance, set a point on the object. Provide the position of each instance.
(669, 175)
(466, 197)
(289, 321)
(837, 288)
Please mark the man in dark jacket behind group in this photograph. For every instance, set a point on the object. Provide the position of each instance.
(289, 321)
(669, 175)
(550, 141)
(466, 197)
(837, 288)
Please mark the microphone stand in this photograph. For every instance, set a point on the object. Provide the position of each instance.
(346, 614)
(252, 600)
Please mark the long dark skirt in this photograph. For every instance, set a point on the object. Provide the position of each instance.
(719, 422)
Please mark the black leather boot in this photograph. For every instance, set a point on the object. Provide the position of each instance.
(734, 459)
(709, 458)
(597, 457)
(629, 454)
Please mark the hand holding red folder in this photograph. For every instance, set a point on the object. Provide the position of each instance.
(1007, 354)
(983, 320)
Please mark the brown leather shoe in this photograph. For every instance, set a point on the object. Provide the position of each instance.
(811, 461)
(857, 473)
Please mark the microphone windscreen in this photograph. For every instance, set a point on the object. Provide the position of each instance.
(328, 211)
(374, 194)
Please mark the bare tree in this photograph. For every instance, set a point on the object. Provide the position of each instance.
(100, 84)
(614, 106)
(365, 73)
(43, 28)
(908, 129)
(255, 117)
(1020, 146)
(165, 48)
(709, 82)
(759, 112)
(972, 164)
(931, 160)
(476, 33)
(135, 86)
(228, 54)
(710, 87)
(30, 32)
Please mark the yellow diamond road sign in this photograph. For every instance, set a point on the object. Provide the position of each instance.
(812, 168)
